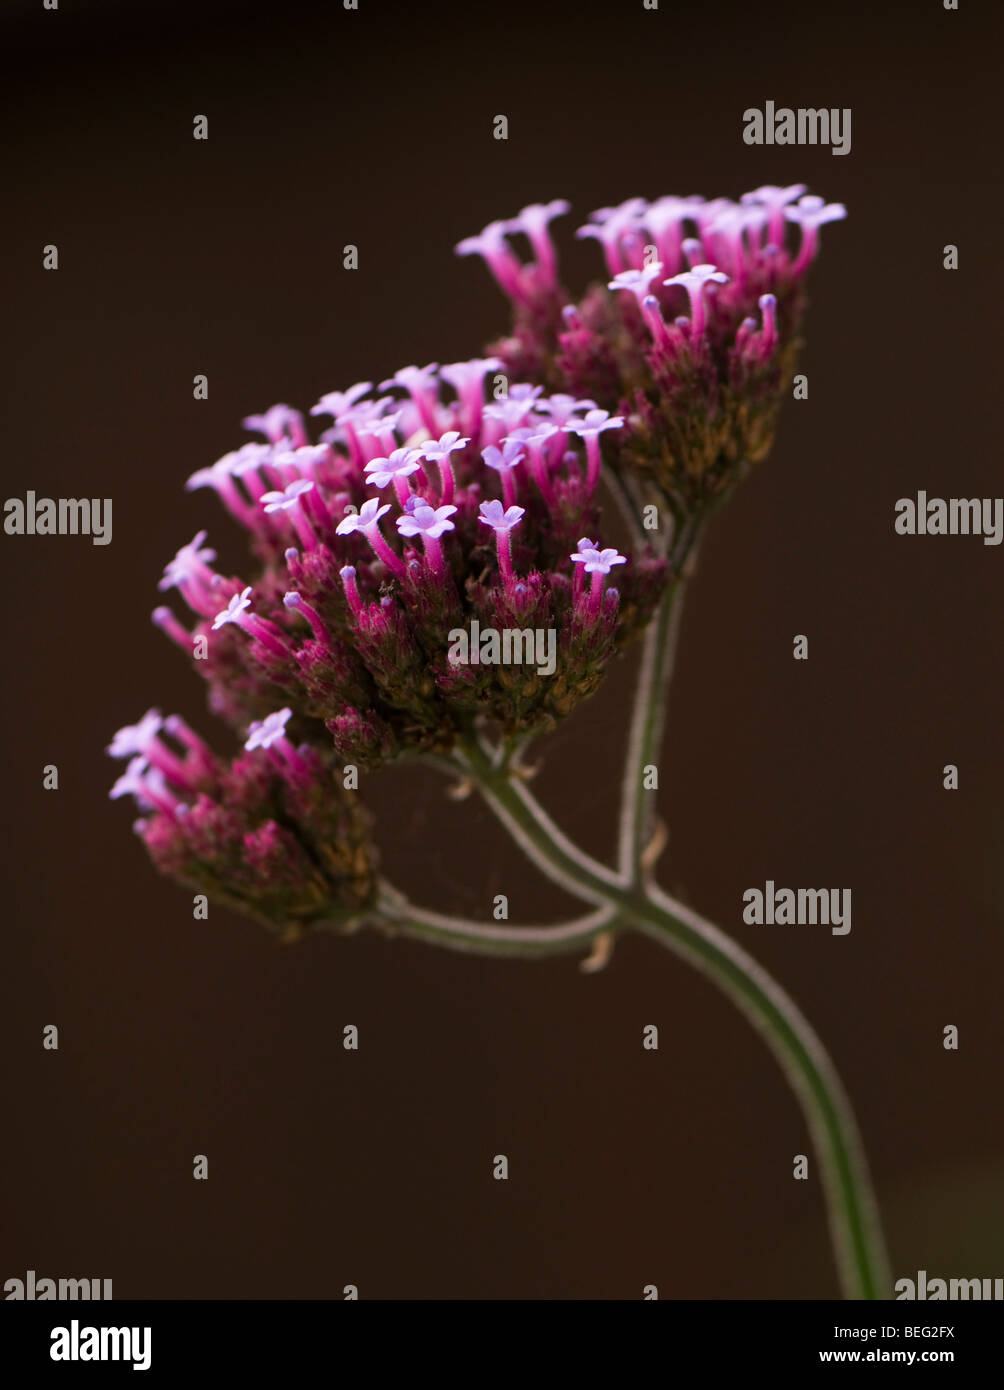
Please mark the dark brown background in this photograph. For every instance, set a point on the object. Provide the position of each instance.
(181, 1037)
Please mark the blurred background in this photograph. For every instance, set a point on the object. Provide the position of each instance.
(180, 1037)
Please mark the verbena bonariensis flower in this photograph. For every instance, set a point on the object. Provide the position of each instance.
(272, 833)
(692, 339)
(423, 508)
(426, 513)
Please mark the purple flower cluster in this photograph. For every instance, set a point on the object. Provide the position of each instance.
(445, 496)
(272, 834)
(455, 499)
(692, 339)
(387, 534)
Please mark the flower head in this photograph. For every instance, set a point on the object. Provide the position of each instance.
(700, 394)
(337, 651)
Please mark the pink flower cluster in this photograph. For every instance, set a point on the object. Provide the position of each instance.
(690, 339)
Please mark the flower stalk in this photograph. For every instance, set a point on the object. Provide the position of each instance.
(853, 1218)
(431, 513)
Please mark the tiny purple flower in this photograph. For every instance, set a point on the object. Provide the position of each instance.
(303, 460)
(189, 565)
(502, 522)
(377, 423)
(422, 385)
(811, 212)
(609, 225)
(533, 223)
(595, 422)
(288, 497)
(491, 514)
(491, 244)
(597, 563)
(147, 785)
(294, 499)
(590, 429)
(773, 199)
(400, 465)
(468, 380)
(142, 739)
(561, 408)
(264, 732)
(335, 403)
(414, 378)
(438, 449)
(694, 281)
(220, 477)
(664, 220)
(509, 412)
(504, 461)
(366, 519)
(506, 458)
(423, 520)
(430, 523)
(539, 431)
(234, 609)
(131, 781)
(490, 240)
(277, 422)
(136, 738)
(462, 376)
(636, 281)
(594, 560)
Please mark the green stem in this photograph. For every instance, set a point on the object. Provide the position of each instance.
(397, 914)
(637, 816)
(853, 1220)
